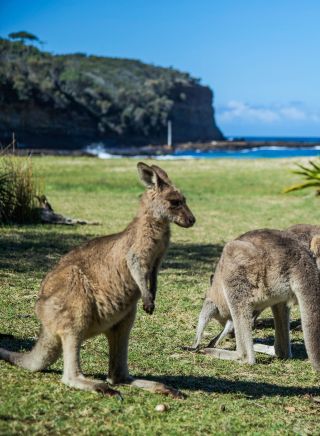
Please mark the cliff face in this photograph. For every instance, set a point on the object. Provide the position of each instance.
(71, 101)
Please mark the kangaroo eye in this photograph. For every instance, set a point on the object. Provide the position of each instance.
(175, 203)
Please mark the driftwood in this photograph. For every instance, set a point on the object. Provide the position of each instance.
(49, 216)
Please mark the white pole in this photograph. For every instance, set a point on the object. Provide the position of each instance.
(170, 133)
(13, 143)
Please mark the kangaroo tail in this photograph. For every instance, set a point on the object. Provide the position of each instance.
(45, 352)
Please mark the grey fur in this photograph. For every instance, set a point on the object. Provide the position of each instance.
(266, 268)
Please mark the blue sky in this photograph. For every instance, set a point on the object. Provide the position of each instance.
(261, 58)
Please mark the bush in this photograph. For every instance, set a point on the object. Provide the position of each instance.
(18, 190)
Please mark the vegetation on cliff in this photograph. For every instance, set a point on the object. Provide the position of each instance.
(113, 97)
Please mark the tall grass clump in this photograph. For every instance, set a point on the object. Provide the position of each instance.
(18, 190)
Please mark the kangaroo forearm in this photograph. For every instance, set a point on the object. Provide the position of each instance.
(140, 274)
(153, 284)
(140, 277)
(154, 276)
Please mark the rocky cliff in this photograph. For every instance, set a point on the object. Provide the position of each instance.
(73, 100)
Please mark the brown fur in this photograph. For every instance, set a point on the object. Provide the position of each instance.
(260, 269)
(94, 289)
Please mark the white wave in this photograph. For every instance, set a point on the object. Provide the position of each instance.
(173, 157)
(99, 151)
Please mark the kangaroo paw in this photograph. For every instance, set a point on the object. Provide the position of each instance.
(104, 389)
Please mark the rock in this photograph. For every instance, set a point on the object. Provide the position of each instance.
(161, 408)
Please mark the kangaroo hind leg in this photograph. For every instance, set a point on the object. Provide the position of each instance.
(282, 344)
(72, 375)
(308, 295)
(118, 337)
(242, 321)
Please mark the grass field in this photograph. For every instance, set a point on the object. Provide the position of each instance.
(228, 198)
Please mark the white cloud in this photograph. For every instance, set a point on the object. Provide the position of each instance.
(293, 113)
(237, 110)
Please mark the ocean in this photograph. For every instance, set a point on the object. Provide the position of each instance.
(304, 147)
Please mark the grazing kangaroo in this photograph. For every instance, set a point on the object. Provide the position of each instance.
(94, 290)
(260, 269)
(215, 303)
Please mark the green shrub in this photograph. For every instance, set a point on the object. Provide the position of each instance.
(18, 190)
(312, 176)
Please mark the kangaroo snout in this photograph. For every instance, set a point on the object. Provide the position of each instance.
(191, 221)
(189, 217)
(185, 221)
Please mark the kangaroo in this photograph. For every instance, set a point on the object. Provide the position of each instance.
(216, 304)
(94, 289)
(48, 216)
(260, 269)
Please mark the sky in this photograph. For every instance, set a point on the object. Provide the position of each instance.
(261, 58)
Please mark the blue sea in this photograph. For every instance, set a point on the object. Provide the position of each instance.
(302, 140)
(249, 153)
(306, 147)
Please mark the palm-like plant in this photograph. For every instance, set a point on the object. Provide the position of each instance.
(311, 175)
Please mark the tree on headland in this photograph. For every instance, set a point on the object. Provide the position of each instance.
(22, 36)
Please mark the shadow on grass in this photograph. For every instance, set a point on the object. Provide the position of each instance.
(192, 256)
(35, 251)
(38, 251)
(269, 323)
(9, 342)
(249, 389)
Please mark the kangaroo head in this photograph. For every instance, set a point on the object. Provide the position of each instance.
(162, 198)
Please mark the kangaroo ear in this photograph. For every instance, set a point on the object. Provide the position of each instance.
(163, 176)
(147, 175)
(151, 176)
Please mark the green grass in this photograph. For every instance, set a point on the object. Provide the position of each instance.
(228, 198)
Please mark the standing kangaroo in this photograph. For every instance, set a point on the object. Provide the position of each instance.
(260, 269)
(94, 290)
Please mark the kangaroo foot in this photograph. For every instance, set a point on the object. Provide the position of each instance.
(153, 387)
(157, 388)
(104, 389)
(80, 382)
(220, 353)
